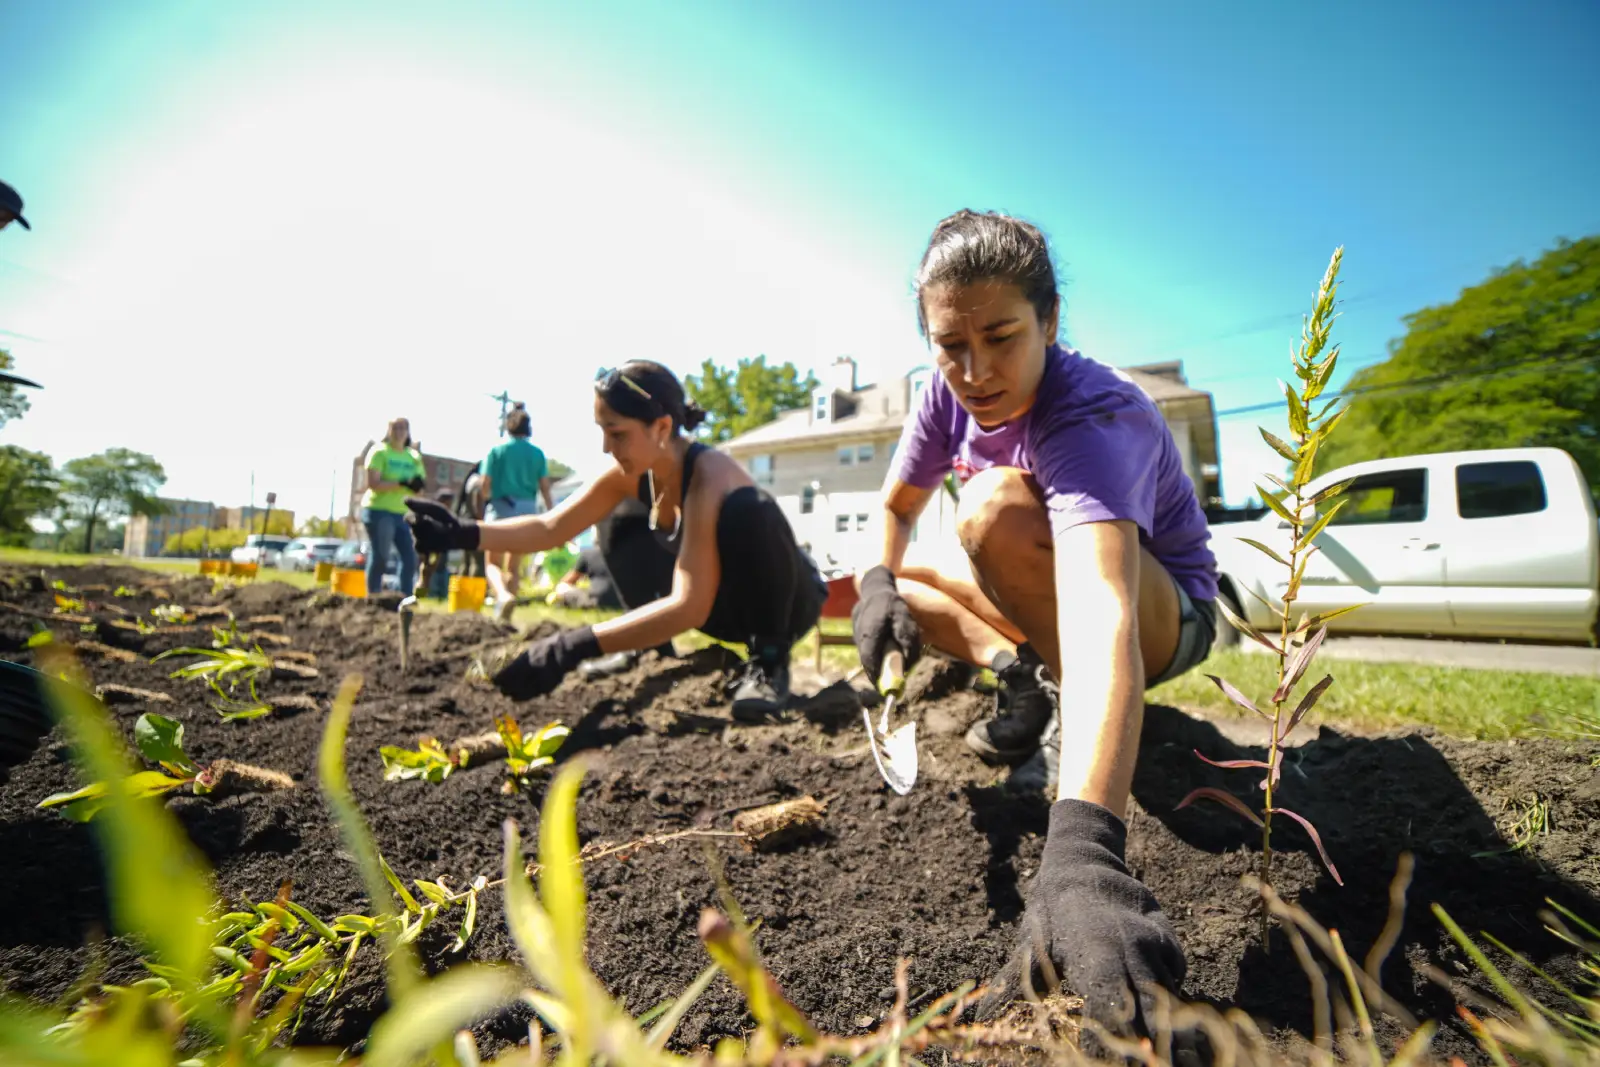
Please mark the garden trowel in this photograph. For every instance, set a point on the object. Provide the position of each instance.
(408, 607)
(894, 751)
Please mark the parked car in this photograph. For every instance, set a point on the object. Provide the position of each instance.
(261, 548)
(352, 555)
(304, 553)
(1493, 543)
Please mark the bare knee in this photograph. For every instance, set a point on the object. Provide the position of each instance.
(1001, 511)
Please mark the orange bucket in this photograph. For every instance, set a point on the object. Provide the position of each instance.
(324, 573)
(242, 570)
(213, 566)
(350, 582)
(466, 593)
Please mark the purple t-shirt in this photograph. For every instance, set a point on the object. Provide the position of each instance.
(1096, 444)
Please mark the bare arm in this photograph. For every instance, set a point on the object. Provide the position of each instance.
(376, 483)
(694, 582)
(903, 505)
(540, 533)
(1097, 620)
(544, 491)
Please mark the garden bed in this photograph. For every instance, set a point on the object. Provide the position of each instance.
(934, 876)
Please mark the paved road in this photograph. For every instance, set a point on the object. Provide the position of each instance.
(1549, 659)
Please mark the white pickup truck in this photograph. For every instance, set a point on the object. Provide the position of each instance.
(1498, 543)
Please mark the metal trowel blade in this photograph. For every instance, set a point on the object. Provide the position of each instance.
(895, 752)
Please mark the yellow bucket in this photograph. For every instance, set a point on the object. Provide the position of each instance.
(466, 594)
(213, 566)
(350, 582)
(324, 571)
(242, 570)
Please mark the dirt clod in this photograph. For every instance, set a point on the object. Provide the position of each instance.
(775, 825)
(112, 693)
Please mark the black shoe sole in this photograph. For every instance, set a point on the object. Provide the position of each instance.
(755, 712)
(979, 742)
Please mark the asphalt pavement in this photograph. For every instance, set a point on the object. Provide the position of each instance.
(1490, 655)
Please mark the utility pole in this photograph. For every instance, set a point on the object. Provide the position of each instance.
(505, 401)
(332, 489)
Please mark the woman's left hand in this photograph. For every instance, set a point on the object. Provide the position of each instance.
(541, 666)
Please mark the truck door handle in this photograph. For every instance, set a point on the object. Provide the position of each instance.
(1419, 543)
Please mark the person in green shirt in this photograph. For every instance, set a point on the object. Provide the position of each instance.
(394, 470)
(514, 476)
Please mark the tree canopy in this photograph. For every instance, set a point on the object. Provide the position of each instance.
(13, 401)
(28, 487)
(118, 481)
(738, 399)
(1512, 362)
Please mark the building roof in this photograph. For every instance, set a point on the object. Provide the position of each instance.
(878, 413)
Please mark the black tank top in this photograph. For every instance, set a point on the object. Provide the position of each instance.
(671, 539)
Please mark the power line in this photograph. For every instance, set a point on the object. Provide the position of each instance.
(1491, 371)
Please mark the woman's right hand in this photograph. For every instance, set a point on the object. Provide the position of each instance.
(436, 530)
(882, 622)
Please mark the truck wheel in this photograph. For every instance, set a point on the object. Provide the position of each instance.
(1227, 637)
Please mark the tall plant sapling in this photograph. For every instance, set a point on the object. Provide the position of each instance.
(160, 740)
(1306, 514)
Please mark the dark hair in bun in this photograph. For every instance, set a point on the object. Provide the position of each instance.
(970, 246)
(649, 392)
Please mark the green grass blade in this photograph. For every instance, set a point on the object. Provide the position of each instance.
(433, 1011)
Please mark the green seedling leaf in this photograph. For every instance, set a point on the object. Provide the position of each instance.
(560, 877)
(399, 887)
(433, 891)
(429, 762)
(1259, 547)
(284, 917)
(667, 1022)
(123, 590)
(1223, 797)
(1233, 694)
(240, 714)
(84, 804)
(1328, 493)
(1231, 764)
(1326, 517)
(320, 928)
(356, 924)
(1279, 445)
(434, 1011)
(233, 959)
(1308, 460)
(732, 950)
(160, 740)
(1316, 839)
(1326, 616)
(1298, 664)
(1319, 378)
(469, 921)
(1299, 420)
(39, 638)
(1277, 507)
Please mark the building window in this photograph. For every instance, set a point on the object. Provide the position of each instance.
(761, 469)
(861, 522)
(841, 524)
(808, 500)
(1491, 490)
(847, 456)
(864, 453)
(822, 407)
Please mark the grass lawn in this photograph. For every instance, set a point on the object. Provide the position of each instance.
(1483, 704)
(41, 558)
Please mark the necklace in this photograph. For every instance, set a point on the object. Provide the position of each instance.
(655, 508)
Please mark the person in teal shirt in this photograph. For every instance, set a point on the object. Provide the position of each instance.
(394, 471)
(514, 478)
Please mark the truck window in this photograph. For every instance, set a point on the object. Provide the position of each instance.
(1384, 496)
(1505, 487)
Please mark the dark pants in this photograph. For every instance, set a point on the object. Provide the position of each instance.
(388, 530)
(770, 594)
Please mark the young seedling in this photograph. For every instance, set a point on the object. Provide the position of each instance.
(1295, 643)
(524, 755)
(172, 613)
(160, 740)
(233, 666)
(428, 761)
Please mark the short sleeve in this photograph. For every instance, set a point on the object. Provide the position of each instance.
(490, 468)
(926, 452)
(375, 459)
(541, 465)
(1099, 466)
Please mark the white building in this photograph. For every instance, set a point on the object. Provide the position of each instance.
(826, 464)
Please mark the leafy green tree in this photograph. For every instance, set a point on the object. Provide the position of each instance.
(191, 542)
(13, 401)
(29, 487)
(1512, 362)
(558, 469)
(315, 527)
(738, 399)
(116, 482)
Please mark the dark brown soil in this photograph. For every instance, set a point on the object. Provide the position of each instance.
(933, 876)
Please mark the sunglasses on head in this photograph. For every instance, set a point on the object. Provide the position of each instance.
(608, 378)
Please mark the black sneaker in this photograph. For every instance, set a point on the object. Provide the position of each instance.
(1029, 701)
(760, 691)
(1042, 770)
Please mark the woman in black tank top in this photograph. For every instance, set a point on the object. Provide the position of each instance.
(691, 543)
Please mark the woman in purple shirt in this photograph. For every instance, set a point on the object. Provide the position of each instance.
(1086, 562)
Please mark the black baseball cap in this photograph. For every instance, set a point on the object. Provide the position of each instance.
(11, 200)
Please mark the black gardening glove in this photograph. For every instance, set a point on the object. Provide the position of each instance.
(417, 484)
(1102, 930)
(436, 530)
(540, 667)
(881, 621)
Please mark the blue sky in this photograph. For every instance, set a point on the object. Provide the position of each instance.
(261, 230)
